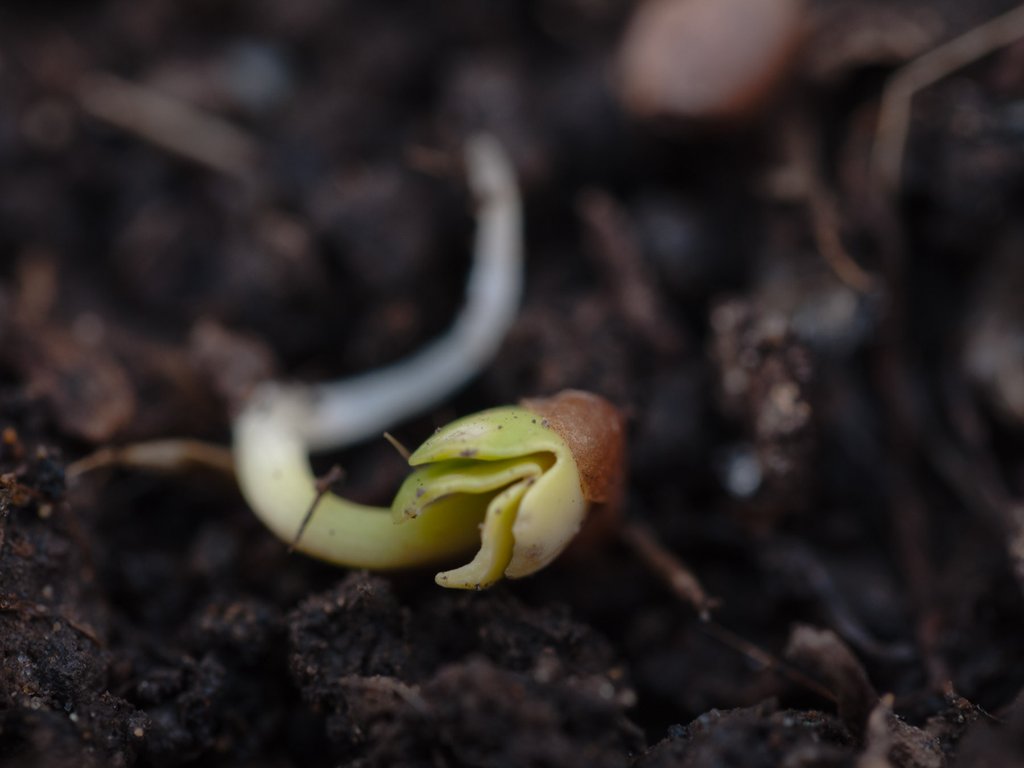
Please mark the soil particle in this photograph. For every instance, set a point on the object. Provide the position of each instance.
(476, 713)
(953, 719)
(764, 378)
(183, 703)
(994, 742)
(383, 672)
(218, 695)
(89, 393)
(759, 736)
(53, 656)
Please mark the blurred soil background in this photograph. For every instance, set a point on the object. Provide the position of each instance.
(815, 326)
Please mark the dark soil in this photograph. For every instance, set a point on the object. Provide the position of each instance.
(823, 375)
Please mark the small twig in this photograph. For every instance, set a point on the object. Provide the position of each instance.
(171, 124)
(395, 443)
(927, 69)
(684, 585)
(802, 147)
(323, 487)
(825, 225)
(766, 659)
(156, 455)
(83, 629)
(669, 568)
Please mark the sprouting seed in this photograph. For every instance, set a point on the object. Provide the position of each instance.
(514, 483)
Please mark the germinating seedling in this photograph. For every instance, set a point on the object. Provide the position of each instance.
(514, 482)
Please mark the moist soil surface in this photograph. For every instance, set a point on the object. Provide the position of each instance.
(819, 350)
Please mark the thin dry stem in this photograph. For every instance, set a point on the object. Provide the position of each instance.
(826, 221)
(395, 443)
(669, 568)
(157, 455)
(171, 124)
(825, 224)
(927, 69)
(684, 585)
(765, 658)
(323, 486)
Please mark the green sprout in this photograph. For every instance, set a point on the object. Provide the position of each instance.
(515, 482)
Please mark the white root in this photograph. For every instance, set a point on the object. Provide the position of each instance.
(335, 414)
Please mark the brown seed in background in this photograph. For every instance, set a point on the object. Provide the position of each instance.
(706, 58)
